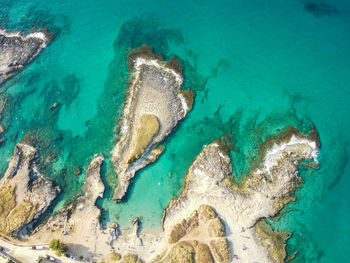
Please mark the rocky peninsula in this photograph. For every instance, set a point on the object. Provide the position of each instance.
(24, 193)
(154, 106)
(17, 50)
(242, 208)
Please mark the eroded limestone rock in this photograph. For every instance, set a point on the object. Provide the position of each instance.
(203, 254)
(216, 228)
(207, 212)
(182, 252)
(130, 258)
(193, 236)
(220, 250)
(274, 240)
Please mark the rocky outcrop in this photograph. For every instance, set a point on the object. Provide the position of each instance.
(199, 238)
(154, 105)
(17, 50)
(24, 193)
(220, 249)
(182, 252)
(202, 253)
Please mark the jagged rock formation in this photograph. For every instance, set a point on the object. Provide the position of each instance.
(24, 193)
(154, 105)
(17, 50)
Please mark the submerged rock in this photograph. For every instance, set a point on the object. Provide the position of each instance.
(77, 171)
(17, 50)
(24, 194)
(53, 106)
(154, 105)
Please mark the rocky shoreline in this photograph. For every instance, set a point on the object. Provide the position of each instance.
(17, 50)
(212, 219)
(154, 106)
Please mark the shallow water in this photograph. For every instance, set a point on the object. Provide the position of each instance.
(256, 67)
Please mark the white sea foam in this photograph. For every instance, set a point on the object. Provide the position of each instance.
(184, 103)
(275, 153)
(37, 35)
(27, 147)
(215, 144)
(224, 157)
(153, 62)
(98, 157)
(139, 61)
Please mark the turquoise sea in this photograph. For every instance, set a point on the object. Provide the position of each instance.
(256, 67)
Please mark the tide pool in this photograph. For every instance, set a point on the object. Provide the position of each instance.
(256, 67)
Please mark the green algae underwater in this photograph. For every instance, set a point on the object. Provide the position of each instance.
(256, 67)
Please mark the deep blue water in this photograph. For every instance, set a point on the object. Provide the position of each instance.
(256, 66)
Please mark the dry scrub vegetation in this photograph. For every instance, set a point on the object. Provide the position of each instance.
(12, 216)
(147, 130)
